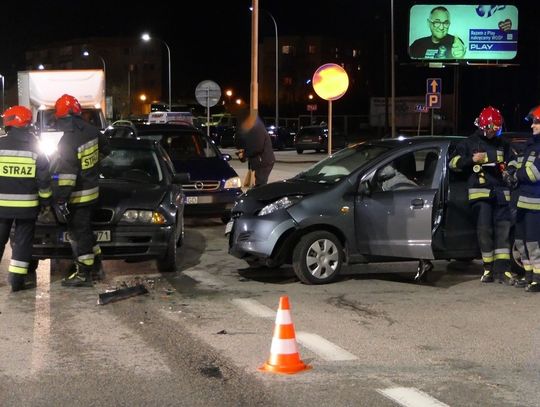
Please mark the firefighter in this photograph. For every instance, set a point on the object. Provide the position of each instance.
(24, 185)
(75, 187)
(483, 157)
(527, 230)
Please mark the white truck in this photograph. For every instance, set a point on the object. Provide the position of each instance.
(39, 90)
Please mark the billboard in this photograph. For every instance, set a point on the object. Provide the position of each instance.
(465, 32)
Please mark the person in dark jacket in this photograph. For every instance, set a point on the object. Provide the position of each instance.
(256, 145)
(24, 188)
(75, 186)
(527, 230)
(483, 156)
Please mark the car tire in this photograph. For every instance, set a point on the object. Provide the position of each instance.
(317, 258)
(299, 150)
(167, 264)
(226, 218)
(516, 266)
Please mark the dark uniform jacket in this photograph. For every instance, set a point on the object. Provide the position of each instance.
(528, 174)
(76, 166)
(258, 146)
(24, 175)
(485, 180)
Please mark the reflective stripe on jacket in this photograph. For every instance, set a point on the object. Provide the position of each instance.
(24, 175)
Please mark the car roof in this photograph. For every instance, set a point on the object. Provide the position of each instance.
(397, 141)
(141, 128)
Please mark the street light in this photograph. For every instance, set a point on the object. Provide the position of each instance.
(277, 61)
(3, 104)
(87, 54)
(146, 37)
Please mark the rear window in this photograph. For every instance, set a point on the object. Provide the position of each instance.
(183, 146)
(310, 132)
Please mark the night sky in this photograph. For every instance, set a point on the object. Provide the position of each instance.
(211, 40)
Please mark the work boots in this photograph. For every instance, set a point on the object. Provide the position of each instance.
(98, 274)
(507, 278)
(17, 281)
(525, 280)
(81, 277)
(487, 277)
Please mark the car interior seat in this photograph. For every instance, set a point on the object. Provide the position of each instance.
(430, 165)
(406, 164)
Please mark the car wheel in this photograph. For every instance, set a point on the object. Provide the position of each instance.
(299, 150)
(226, 218)
(516, 266)
(167, 264)
(180, 240)
(317, 258)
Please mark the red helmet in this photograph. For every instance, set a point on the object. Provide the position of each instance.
(489, 117)
(66, 105)
(17, 116)
(534, 115)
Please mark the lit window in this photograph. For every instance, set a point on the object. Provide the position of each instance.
(287, 49)
(287, 80)
(312, 49)
(355, 53)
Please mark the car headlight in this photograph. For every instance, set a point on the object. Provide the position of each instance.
(233, 182)
(141, 216)
(282, 203)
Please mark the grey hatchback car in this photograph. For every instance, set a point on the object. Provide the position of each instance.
(384, 200)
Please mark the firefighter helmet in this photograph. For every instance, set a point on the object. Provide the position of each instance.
(534, 115)
(66, 105)
(489, 119)
(17, 116)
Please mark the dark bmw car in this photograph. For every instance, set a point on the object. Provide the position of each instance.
(386, 200)
(214, 184)
(140, 211)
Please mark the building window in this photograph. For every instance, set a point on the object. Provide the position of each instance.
(287, 49)
(287, 80)
(355, 53)
(312, 49)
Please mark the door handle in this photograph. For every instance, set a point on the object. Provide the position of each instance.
(417, 203)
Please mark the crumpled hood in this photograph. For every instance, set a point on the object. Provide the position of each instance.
(279, 189)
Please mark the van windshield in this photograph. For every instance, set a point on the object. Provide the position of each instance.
(48, 121)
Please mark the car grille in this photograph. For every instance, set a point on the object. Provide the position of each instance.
(201, 186)
(102, 215)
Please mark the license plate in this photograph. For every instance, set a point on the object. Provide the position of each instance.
(228, 227)
(101, 236)
(199, 199)
(190, 200)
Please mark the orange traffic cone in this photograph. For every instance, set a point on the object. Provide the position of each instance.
(284, 357)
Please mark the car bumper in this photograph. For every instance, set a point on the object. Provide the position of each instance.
(126, 242)
(210, 204)
(258, 236)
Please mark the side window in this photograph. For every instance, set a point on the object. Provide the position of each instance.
(413, 170)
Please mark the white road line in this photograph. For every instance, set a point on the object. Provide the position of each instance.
(410, 397)
(204, 277)
(254, 308)
(322, 347)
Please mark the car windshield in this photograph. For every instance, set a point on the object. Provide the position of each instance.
(137, 165)
(338, 166)
(183, 146)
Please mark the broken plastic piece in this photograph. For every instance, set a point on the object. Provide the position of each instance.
(121, 294)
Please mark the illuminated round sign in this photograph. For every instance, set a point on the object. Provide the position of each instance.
(330, 81)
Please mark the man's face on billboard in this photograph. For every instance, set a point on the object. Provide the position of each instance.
(439, 22)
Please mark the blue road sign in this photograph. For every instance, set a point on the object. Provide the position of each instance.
(434, 85)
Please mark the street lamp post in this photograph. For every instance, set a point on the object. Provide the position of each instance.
(87, 54)
(277, 64)
(3, 103)
(146, 37)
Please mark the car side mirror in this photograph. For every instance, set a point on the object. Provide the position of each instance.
(364, 188)
(181, 178)
(226, 157)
